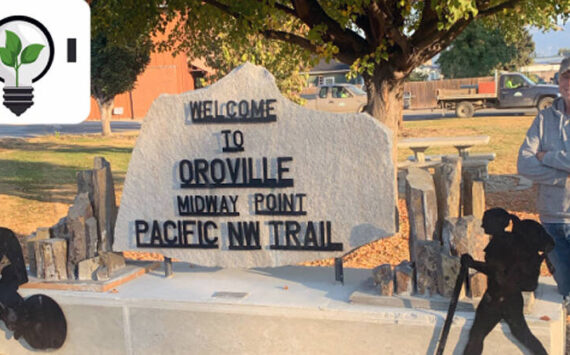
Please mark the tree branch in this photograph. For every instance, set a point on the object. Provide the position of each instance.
(377, 23)
(363, 22)
(429, 18)
(228, 10)
(311, 13)
(493, 10)
(400, 39)
(285, 9)
(428, 41)
(302, 42)
(430, 46)
(390, 28)
(390, 8)
(290, 38)
(223, 7)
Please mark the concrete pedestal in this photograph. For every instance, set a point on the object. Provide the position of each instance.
(297, 310)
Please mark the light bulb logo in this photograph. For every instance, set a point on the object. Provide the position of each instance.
(25, 57)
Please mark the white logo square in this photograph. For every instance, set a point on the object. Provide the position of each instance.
(45, 62)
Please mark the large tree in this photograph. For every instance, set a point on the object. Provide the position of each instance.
(115, 66)
(477, 51)
(383, 40)
(481, 48)
(524, 50)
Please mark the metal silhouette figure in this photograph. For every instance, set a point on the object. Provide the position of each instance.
(38, 318)
(451, 310)
(512, 265)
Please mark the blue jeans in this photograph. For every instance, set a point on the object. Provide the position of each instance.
(560, 256)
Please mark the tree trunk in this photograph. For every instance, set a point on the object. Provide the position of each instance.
(385, 94)
(106, 109)
(385, 102)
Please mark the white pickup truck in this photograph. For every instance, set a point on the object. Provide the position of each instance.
(337, 98)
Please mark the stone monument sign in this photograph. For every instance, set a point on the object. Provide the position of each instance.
(236, 175)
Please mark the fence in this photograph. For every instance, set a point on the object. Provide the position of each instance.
(423, 93)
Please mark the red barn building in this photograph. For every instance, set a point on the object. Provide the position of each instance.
(165, 74)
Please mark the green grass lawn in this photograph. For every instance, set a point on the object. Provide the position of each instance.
(506, 132)
(38, 175)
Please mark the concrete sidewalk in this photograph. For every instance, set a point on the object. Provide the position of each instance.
(292, 309)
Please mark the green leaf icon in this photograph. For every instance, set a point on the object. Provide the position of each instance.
(13, 43)
(31, 53)
(7, 58)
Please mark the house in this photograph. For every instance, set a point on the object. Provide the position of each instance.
(544, 67)
(334, 72)
(331, 72)
(165, 74)
(430, 70)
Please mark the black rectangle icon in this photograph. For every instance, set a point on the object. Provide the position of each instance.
(71, 50)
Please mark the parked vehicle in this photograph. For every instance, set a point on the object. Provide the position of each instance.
(337, 98)
(508, 90)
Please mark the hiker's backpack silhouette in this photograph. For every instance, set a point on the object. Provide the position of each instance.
(512, 265)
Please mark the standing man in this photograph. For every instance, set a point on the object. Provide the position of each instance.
(544, 157)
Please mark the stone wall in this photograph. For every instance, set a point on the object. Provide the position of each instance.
(78, 247)
(444, 212)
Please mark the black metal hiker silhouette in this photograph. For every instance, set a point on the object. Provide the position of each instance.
(512, 264)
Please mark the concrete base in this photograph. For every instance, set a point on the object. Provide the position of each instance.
(298, 310)
(368, 294)
(131, 271)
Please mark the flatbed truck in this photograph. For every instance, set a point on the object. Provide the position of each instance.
(507, 90)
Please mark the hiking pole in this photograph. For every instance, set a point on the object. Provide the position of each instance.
(451, 311)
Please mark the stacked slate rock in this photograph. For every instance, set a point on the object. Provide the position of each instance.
(465, 235)
(79, 246)
(444, 212)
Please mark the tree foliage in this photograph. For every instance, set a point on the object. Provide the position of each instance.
(115, 66)
(223, 56)
(383, 40)
(417, 76)
(524, 50)
(481, 49)
(114, 69)
(564, 52)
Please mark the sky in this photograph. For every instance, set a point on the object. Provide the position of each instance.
(547, 44)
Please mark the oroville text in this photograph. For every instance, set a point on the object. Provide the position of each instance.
(236, 235)
(235, 173)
